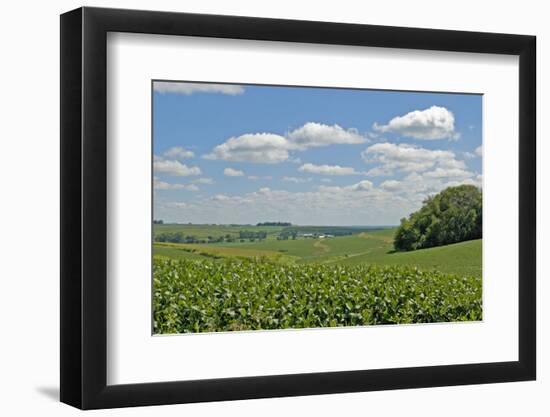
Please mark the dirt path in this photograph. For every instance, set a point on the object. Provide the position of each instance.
(320, 245)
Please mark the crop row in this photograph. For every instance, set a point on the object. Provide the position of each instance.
(239, 294)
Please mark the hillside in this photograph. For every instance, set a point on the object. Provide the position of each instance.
(365, 247)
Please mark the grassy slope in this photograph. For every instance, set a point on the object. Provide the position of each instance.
(194, 251)
(462, 258)
(371, 247)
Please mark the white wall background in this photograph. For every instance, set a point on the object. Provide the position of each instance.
(29, 237)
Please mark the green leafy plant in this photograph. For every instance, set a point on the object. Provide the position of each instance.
(252, 294)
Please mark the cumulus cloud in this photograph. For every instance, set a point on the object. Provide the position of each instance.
(357, 203)
(162, 185)
(392, 158)
(477, 181)
(415, 187)
(479, 151)
(174, 168)
(364, 185)
(178, 152)
(429, 124)
(361, 186)
(327, 169)
(265, 148)
(271, 148)
(191, 88)
(448, 173)
(390, 185)
(317, 134)
(230, 172)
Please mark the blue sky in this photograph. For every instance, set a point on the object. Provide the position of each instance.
(244, 154)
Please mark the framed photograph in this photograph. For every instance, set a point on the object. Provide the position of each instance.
(257, 208)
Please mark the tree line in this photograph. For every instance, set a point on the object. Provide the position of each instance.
(454, 215)
(179, 237)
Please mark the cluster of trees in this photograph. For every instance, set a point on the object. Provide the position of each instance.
(454, 215)
(177, 237)
(158, 221)
(274, 224)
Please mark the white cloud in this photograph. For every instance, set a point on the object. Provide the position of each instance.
(317, 134)
(448, 173)
(296, 180)
(357, 203)
(429, 124)
(391, 185)
(271, 148)
(178, 152)
(175, 168)
(361, 186)
(451, 163)
(415, 187)
(221, 197)
(265, 148)
(364, 185)
(393, 158)
(326, 180)
(327, 169)
(479, 150)
(162, 185)
(230, 172)
(191, 88)
(477, 181)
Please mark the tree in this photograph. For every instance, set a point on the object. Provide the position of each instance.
(406, 237)
(454, 215)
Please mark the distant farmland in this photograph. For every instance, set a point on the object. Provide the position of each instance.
(311, 276)
(362, 246)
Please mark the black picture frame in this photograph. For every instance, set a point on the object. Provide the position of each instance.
(84, 207)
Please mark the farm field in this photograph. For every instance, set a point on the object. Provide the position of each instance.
(273, 283)
(250, 294)
(362, 247)
(202, 231)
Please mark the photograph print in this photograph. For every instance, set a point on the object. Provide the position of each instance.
(287, 207)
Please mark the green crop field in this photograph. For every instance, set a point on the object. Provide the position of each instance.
(341, 280)
(241, 294)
